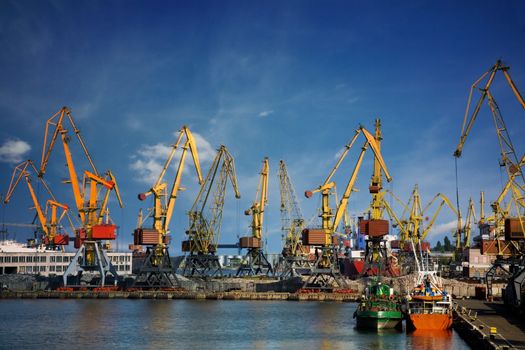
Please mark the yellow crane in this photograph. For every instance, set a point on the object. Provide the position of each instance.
(157, 270)
(326, 267)
(412, 228)
(96, 226)
(509, 159)
(493, 226)
(295, 258)
(422, 232)
(205, 218)
(255, 260)
(514, 223)
(49, 223)
(470, 220)
(375, 227)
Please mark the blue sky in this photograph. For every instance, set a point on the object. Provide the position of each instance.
(288, 80)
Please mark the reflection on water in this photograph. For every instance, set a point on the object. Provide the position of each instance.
(183, 324)
(432, 340)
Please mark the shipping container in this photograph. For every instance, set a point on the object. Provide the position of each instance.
(103, 232)
(373, 228)
(61, 240)
(314, 237)
(513, 229)
(250, 242)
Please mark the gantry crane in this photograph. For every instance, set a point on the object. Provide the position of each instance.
(514, 224)
(53, 237)
(294, 257)
(255, 261)
(205, 218)
(326, 267)
(157, 270)
(96, 226)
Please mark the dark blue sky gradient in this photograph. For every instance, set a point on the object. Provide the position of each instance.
(289, 80)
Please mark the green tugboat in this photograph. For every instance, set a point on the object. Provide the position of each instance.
(380, 309)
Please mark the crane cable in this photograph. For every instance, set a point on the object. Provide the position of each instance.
(457, 192)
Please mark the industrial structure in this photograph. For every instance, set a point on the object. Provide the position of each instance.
(326, 269)
(255, 261)
(205, 218)
(53, 234)
(295, 257)
(157, 270)
(96, 226)
(311, 254)
(507, 241)
(377, 257)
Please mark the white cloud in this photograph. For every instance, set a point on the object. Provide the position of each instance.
(266, 113)
(446, 228)
(206, 150)
(13, 151)
(149, 160)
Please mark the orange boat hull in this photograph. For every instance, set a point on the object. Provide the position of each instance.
(430, 321)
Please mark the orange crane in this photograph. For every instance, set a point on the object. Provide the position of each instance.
(255, 261)
(326, 267)
(157, 270)
(49, 224)
(96, 226)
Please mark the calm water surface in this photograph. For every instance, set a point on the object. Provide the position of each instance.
(185, 324)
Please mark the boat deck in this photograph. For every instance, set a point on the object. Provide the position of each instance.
(483, 315)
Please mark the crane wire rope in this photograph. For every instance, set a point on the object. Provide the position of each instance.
(457, 191)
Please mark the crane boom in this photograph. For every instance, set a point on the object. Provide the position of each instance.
(59, 129)
(467, 126)
(370, 140)
(162, 203)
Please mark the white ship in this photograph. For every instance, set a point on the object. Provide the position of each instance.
(18, 258)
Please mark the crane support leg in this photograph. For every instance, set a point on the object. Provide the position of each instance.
(325, 274)
(518, 281)
(255, 262)
(156, 271)
(202, 265)
(489, 277)
(293, 266)
(101, 264)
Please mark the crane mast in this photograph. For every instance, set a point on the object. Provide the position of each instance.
(292, 224)
(91, 254)
(205, 217)
(255, 261)
(157, 270)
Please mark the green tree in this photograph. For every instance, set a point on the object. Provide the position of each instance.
(447, 245)
(438, 247)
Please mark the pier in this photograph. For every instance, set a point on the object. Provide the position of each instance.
(180, 294)
(489, 325)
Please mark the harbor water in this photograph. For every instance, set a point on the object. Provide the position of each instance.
(185, 324)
